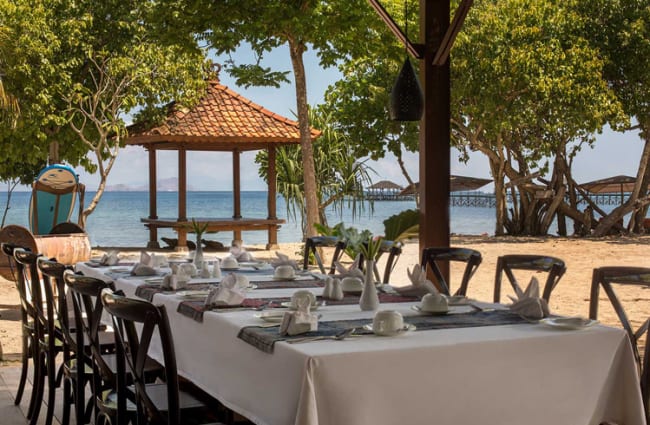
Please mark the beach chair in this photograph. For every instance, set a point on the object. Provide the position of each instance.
(432, 257)
(553, 267)
(605, 277)
(54, 194)
(313, 243)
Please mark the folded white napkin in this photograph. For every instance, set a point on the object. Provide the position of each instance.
(216, 270)
(145, 266)
(228, 292)
(333, 289)
(177, 279)
(528, 304)
(205, 270)
(420, 285)
(110, 258)
(299, 321)
(159, 260)
(283, 260)
(240, 253)
(353, 271)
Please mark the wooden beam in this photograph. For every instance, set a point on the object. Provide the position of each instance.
(435, 130)
(415, 50)
(182, 198)
(153, 198)
(236, 183)
(450, 36)
(272, 189)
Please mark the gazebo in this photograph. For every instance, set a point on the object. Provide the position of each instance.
(456, 184)
(384, 189)
(222, 121)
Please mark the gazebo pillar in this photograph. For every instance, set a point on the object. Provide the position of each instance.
(153, 201)
(272, 181)
(434, 130)
(182, 198)
(236, 183)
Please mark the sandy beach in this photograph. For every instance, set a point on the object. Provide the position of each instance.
(571, 297)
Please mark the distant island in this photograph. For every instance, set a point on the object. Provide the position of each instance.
(164, 185)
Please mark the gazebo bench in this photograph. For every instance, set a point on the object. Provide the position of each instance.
(236, 225)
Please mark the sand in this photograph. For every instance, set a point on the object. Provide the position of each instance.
(571, 297)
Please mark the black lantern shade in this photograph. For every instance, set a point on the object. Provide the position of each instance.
(406, 99)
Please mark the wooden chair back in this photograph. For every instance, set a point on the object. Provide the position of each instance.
(311, 248)
(432, 256)
(133, 347)
(605, 277)
(553, 267)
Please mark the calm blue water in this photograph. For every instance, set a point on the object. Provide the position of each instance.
(116, 221)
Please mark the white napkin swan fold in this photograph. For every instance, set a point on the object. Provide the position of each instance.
(240, 254)
(230, 291)
(283, 260)
(528, 303)
(420, 285)
(110, 258)
(299, 321)
(145, 266)
(353, 271)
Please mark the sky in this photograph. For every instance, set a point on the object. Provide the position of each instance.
(614, 153)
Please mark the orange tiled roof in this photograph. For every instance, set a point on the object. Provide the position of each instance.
(222, 120)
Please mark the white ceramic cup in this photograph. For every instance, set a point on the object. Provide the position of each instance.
(301, 295)
(229, 263)
(387, 323)
(351, 284)
(434, 303)
(284, 272)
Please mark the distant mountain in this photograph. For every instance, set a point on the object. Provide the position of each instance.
(164, 185)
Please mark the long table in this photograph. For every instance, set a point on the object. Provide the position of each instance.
(511, 374)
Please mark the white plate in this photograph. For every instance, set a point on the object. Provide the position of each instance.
(271, 316)
(154, 280)
(193, 294)
(457, 300)
(120, 269)
(431, 313)
(570, 323)
(250, 287)
(406, 329)
(285, 278)
(287, 304)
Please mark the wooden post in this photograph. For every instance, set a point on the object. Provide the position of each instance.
(272, 177)
(153, 198)
(236, 182)
(434, 130)
(182, 198)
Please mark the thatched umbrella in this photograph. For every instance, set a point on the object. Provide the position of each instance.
(457, 184)
(616, 184)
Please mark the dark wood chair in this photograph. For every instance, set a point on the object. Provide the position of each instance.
(49, 339)
(156, 403)
(311, 248)
(605, 278)
(29, 338)
(394, 250)
(554, 267)
(433, 256)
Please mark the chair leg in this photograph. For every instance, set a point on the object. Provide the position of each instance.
(79, 395)
(39, 383)
(51, 390)
(23, 372)
(67, 401)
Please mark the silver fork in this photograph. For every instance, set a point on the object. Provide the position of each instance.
(338, 337)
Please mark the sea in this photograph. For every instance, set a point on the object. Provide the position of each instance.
(116, 220)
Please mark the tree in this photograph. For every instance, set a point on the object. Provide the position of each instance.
(264, 25)
(544, 97)
(341, 179)
(80, 67)
(620, 29)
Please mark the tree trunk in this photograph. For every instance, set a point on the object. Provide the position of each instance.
(296, 50)
(406, 174)
(499, 197)
(11, 185)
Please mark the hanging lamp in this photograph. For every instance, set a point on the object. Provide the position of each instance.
(406, 98)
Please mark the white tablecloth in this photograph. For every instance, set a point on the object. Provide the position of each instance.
(514, 374)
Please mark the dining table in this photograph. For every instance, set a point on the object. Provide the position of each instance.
(479, 363)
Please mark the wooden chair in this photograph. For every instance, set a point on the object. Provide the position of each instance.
(29, 338)
(159, 403)
(49, 339)
(554, 267)
(394, 250)
(604, 277)
(433, 255)
(311, 248)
